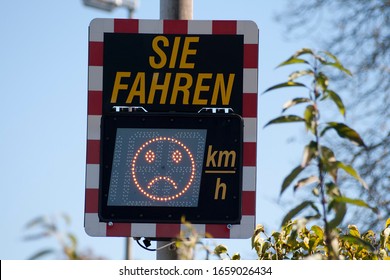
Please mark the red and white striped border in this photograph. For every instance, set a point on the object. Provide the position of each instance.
(95, 87)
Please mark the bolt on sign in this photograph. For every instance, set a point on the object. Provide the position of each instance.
(172, 119)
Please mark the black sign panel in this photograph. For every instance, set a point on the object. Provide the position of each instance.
(173, 73)
(161, 167)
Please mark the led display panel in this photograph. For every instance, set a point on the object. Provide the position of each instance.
(157, 167)
(162, 167)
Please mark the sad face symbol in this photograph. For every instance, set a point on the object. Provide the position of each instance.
(163, 169)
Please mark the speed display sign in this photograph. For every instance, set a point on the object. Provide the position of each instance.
(172, 124)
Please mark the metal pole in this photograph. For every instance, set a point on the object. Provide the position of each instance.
(128, 249)
(176, 9)
(172, 9)
(167, 252)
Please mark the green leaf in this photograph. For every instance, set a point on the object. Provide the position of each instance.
(259, 229)
(296, 211)
(332, 56)
(316, 191)
(36, 221)
(73, 240)
(294, 102)
(340, 67)
(353, 230)
(300, 73)
(292, 60)
(309, 218)
(337, 100)
(318, 231)
(265, 246)
(320, 58)
(286, 84)
(41, 254)
(290, 178)
(344, 131)
(255, 241)
(306, 181)
(357, 241)
(309, 116)
(322, 81)
(332, 169)
(309, 153)
(220, 249)
(369, 236)
(336, 64)
(292, 239)
(351, 171)
(313, 243)
(384, 239)
(327, 154)
(329, 162)
(303, 51)
(340, 212)
(37, 236)
(332, 189)
(285, 119)
(356, 202)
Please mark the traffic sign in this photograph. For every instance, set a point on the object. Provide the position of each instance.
(172, 116)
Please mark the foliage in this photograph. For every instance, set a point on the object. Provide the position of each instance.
(190, 241)
(50, 227)
(296, 241)
(359, 33)
(319, 168)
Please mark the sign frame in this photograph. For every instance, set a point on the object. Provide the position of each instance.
(97, 29)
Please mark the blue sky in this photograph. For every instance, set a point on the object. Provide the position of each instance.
(43, 91)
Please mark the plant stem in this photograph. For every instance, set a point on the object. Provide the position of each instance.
(321, 173)
(328, 237)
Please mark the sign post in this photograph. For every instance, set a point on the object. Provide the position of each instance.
(172, 118)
